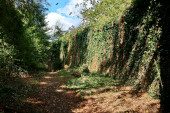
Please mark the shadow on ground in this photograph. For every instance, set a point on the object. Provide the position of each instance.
(50, 97)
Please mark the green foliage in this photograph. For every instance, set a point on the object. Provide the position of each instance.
(86, 82)
(65, 72)
(123, 47)
(55, 62)
(154, 89)
(103, 11)
(22, 37)
(23, 47)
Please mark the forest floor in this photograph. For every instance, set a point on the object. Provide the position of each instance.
(52, 97)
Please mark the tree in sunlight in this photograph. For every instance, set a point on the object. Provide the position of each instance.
(22, 35)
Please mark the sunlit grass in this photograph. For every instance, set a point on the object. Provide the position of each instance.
(90, 82)
(65, 72)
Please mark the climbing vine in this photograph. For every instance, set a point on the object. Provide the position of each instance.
(125, 48)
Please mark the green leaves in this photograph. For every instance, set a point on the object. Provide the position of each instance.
(23, 35)
(104, 11)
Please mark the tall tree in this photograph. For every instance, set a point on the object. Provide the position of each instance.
(22, 28)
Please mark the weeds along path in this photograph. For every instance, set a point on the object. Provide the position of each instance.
(52, 98)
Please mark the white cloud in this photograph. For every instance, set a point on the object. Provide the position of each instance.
(71, 7)
(69, 20)
(64, 22)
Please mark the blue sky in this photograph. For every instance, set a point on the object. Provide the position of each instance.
(54, 7)
(60, 14)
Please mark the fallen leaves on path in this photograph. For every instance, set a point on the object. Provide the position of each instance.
(118, 102)
(53, 97)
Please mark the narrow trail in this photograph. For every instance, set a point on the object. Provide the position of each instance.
(52, 98)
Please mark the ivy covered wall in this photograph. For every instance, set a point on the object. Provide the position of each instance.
(126, 48)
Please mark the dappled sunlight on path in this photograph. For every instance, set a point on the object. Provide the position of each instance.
(118, 102)
(123, 101)
(52, 98)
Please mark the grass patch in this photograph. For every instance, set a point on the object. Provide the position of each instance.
(84, 82)
(65, 72)
(92, 83)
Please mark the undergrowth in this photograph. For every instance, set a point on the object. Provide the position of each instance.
(86, 81)
(14, 90)
(91, 83)
(65, 72)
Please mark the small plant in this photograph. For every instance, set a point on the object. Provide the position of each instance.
(82, 92)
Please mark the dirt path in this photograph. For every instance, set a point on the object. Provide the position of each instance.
(52, 98)
(122, 101)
